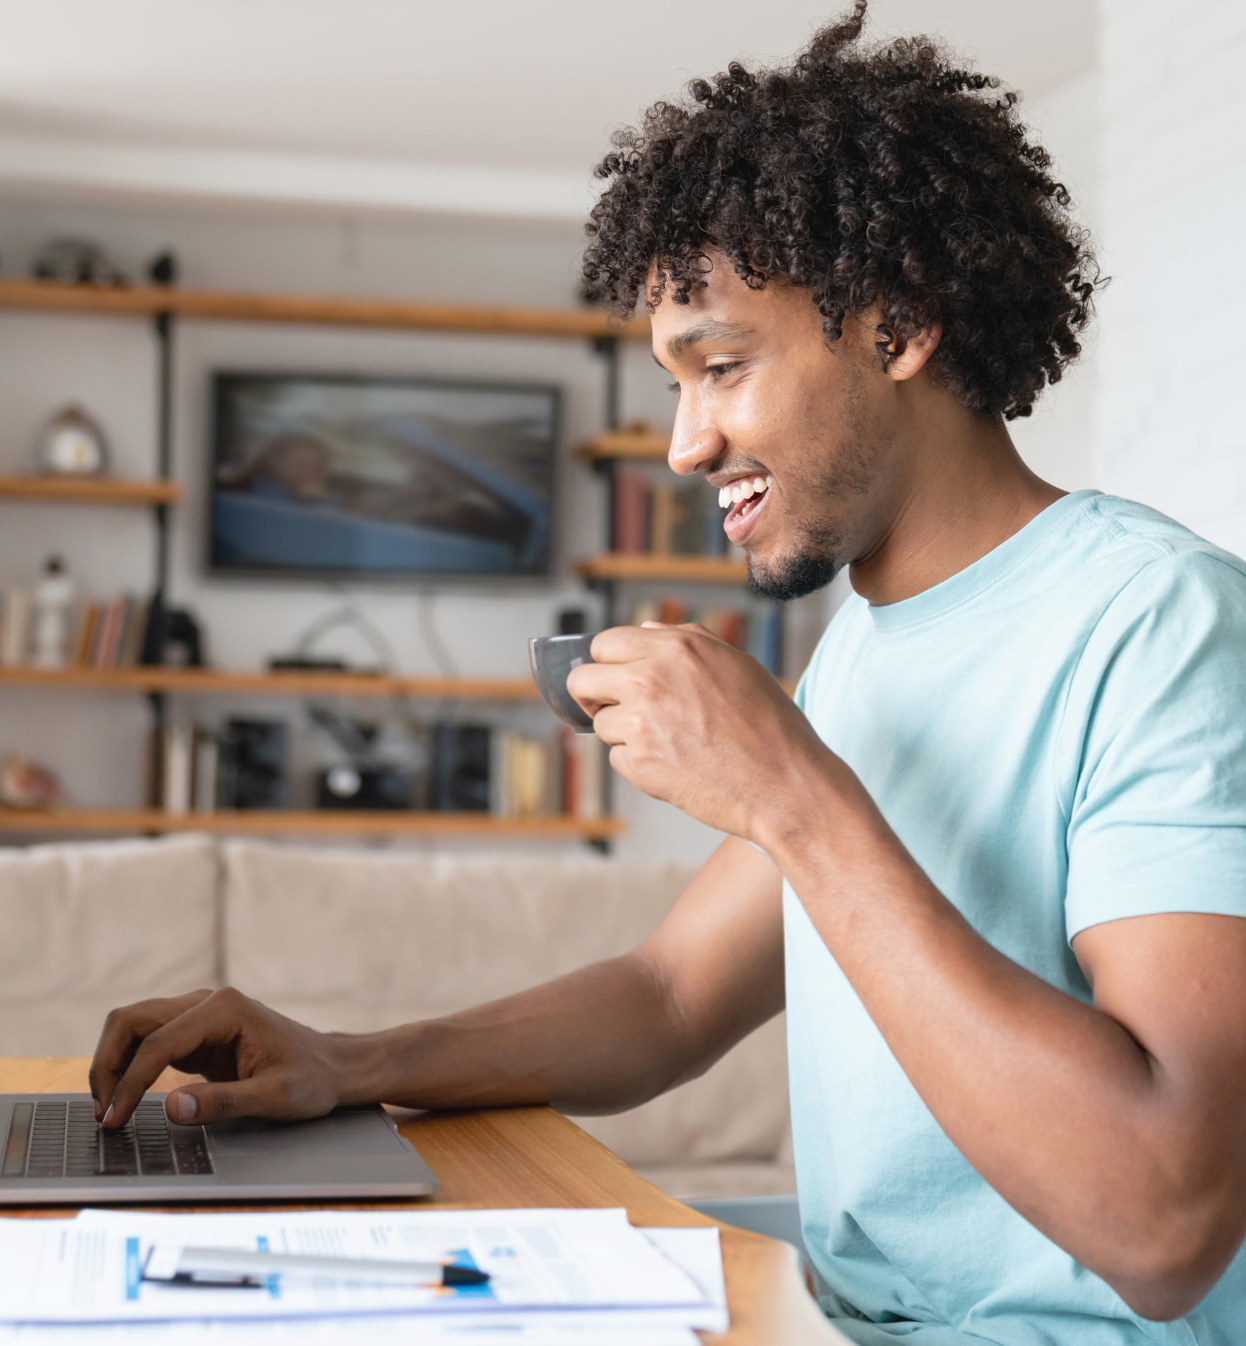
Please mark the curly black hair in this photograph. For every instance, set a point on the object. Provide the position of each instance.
(889, 175)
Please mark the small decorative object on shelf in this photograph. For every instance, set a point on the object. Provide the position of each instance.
(53, 594)
(73, 444)
(162, 269)
(25, 785)
(73, 261)
(172, 638)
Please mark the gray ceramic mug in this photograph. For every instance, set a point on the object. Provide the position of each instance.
(551, 658)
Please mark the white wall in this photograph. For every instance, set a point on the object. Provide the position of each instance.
(1057, 439)
(1173, 195)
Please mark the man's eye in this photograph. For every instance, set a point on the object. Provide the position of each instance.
(717, 371)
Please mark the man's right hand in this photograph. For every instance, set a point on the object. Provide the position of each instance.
(257, 1062)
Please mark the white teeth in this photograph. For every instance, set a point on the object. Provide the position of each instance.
(743, 489)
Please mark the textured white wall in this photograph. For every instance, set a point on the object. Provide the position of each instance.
(1173, 204)
(1057, 439)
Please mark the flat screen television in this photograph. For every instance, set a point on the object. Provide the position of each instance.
(344, 475)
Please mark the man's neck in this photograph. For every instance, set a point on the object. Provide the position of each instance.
(969, 492)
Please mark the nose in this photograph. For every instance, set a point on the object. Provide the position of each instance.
(696, 441)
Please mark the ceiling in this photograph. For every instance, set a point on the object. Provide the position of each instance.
(484, 105)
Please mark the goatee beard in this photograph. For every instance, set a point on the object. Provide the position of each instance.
(798, 575)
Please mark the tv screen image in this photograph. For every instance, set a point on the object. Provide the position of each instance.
(316, 474)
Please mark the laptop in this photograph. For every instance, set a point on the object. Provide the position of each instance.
(54, 1151)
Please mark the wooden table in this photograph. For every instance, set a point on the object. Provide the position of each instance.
(536, 1157)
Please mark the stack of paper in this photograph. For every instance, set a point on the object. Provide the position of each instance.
(555, 1276)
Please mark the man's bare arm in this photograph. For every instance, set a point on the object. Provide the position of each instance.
(600, 1039)
(1117, 1127)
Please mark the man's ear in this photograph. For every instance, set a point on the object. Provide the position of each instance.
(905, 356)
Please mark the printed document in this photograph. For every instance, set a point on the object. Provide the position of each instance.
(545, 1266)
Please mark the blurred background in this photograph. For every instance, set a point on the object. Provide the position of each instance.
(429, 152)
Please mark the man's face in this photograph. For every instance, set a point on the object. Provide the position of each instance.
(788, 429)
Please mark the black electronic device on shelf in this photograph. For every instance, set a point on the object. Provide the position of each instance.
(367, 787)
(254, 766)
(462, 768)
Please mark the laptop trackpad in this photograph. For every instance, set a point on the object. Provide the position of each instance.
(355, 1142)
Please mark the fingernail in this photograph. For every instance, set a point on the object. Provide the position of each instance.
(106, 1116)
(187, 1107)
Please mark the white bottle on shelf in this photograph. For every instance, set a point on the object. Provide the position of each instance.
(53, 595)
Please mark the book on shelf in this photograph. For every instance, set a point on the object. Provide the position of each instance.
(171, 768)
(15, 621)
(84, 640)
(107, 633)
(204, 771)
(178, 750)
(583, 774)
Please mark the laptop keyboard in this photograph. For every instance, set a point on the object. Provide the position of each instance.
(58, 1139)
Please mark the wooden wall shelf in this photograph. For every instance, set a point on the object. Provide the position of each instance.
(220, 682)
(661, 566)
(312, 823)
(90, 490)
(47, 296)
(632, 445)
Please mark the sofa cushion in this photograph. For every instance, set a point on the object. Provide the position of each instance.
(356, 942)
(87, 926)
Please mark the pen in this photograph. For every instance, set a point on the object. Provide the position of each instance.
(211, 1264)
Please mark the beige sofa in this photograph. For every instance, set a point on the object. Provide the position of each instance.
(358, 940)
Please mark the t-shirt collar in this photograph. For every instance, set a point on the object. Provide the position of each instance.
(980, 575)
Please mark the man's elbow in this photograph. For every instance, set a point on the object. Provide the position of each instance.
(1171, 1271)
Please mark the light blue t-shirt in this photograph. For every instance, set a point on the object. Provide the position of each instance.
(1058, 736)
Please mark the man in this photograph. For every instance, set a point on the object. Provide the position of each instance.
(1002, 851)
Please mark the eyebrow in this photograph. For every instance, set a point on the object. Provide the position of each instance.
(682, 342)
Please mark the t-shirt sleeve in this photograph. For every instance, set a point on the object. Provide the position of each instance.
(1154, 734)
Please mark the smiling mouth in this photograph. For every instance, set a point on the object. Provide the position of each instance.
(743, 499)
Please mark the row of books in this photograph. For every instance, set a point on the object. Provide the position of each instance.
(183, 770)
(540, 777)
(665, 517)
(110, 633)
(757, 628)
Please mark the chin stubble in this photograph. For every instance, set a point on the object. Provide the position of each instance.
(807, 570)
